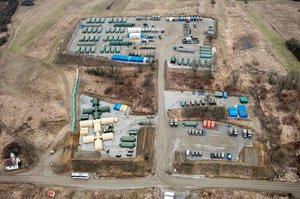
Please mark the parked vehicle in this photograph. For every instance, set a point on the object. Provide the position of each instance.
(235, 132)
(230, 131)
(212, 124)
(244, 133)
(175, 122)
(212, 155)
(200, 153)
(222, 155)
(208, 124)
(187, 153)
(249, 133)
(202, 101)
(229, 156)
(205, 124)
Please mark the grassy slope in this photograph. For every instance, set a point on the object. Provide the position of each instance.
(286, 58)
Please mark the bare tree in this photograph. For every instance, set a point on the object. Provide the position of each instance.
(115, 72)
(213, 2)
(235, 75)
(195, 66)
(280, 84)
(272, 74)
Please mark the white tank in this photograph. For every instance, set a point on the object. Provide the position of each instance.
(109, 120)
(87, 123)
(134, 30)
(84, 132)
(123, 108)
(96, 121)
(85, 128)
(107, 136)
(88, 139)
(97, 127)
(98, 145)
(134, 35)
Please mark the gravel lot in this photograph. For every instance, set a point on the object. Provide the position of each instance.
(173, 34)
(215, 140)
(121, 128)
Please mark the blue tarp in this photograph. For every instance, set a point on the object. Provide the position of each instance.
(242, 109)
(232, 111)
(117, 106)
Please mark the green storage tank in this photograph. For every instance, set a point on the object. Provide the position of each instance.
(77, 49)
(129, 145)
(120, 43)
(128, 139)
(205, 50)
(205, 53)
(86, 44)
(96, 115)
(84, 117)
(133, 133)
(95, 101)
(124, 24)
(102, 49)
(205, 47)
(82, 49)
(205, 56)
(87, 110)
(173, 60)
(104, 109)
(190, 123)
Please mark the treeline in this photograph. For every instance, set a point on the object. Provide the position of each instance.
(294, 46)
(5, 17)
(7, 13)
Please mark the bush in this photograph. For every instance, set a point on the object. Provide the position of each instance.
(281, 157)
(3, 40)
(108, 90)
(294, 46)
(3, 28)
(13, 147)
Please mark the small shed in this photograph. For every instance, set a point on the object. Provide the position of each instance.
(232, 112)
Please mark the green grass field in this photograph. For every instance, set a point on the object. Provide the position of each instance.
(286, 58)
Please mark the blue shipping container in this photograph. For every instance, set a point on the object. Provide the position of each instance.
(242, 110)
(225, 95)
(232, 112)
(117, 106)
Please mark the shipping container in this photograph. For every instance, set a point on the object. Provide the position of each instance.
(190, 123)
